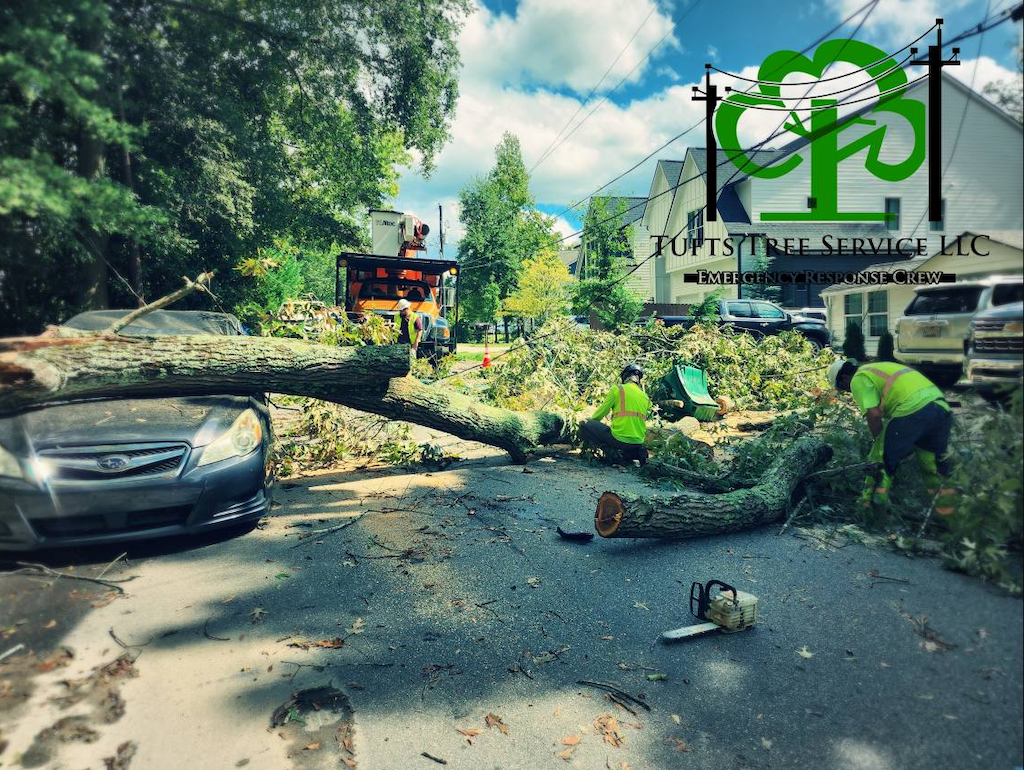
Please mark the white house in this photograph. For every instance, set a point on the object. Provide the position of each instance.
(876, 309)
(982, 187)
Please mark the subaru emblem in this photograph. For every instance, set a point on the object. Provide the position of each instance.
(111, 463)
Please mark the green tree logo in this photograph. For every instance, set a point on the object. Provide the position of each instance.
(824, 151)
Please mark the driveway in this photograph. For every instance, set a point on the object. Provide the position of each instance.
(450, 626)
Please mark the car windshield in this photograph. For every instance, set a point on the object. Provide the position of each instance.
(962, 300)
(160, 322)
(1005, 293)
(414, 291)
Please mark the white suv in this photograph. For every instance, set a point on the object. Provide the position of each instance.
(932, 333)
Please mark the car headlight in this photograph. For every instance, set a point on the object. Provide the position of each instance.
(9, 465)
(242, 437)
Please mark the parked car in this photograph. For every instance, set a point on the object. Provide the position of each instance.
(809, 312)
(994, 358)
(932, 332)
(763, 319)
(108, 470)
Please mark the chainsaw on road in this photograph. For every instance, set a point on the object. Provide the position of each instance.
(721, 607)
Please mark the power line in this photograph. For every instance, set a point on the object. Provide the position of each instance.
(871, 5)
(835, 77)
(804, 50)
(593, 90)
(614, 88)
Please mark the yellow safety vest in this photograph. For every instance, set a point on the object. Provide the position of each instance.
(901, 390)
(628, 405)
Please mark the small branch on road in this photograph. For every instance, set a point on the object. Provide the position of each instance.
(432, 758)
(41, 570)
(210, 636)
(328, 531)
(106, 569)
(615, 691)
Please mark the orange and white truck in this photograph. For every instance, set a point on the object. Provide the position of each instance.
(396, 270)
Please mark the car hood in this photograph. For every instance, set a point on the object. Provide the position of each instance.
(195, 421)
(1002, 312)
(806, 319)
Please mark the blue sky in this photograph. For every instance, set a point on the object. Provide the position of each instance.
(528, 66)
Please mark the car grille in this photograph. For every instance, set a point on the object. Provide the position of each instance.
(113, 462)
(988, 326)
(96, 524)
(999, 345)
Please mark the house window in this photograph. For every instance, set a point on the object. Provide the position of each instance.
(878, 313)
(695, 228)
(892, 213)
(853, 309)
(938, 227)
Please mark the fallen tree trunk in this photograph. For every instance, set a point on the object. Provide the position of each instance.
(35, 371)
(692, 514)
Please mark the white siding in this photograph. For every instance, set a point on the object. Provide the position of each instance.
(642, 281)
(983, 185)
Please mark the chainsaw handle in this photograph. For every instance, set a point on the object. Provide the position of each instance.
(698, 601)
(724, 588)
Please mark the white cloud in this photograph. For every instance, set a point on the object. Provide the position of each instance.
(713, 53)
(982, 71)
(563, 43)
(897, 22)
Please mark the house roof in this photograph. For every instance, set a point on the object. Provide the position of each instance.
(672, 169)
(1012, 238)
(634, 208)
(728, 173)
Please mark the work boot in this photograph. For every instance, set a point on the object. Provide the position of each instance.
(881, 493)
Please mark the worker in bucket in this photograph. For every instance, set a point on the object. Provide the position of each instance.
(906, 413)
(409, 326)
(628, 405)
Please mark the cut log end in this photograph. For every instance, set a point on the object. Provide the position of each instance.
(609, 514)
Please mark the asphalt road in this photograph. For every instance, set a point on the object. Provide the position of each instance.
(454, 599)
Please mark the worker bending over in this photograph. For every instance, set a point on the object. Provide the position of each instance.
(906, 413)
(409, 327)
(628, 405)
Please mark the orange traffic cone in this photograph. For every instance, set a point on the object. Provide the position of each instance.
(487, 355)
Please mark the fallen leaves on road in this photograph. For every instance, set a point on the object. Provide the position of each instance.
(493, 720)
(550, 655)
(59, 659)
(676, 718)
(123, 758)
(659, 677)
(803, 652)
(312, 746)
(469, 733)
(533, 582)
(679, 744)
(608, 727)
(257, 614)
(356, 628)
(767, 744)
(932, 641)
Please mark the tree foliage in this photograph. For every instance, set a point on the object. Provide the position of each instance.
(502, 229)
(145, 140)
(1009, 94)
(542, 293)
(607, 249)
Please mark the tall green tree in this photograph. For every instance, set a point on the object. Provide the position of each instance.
(1009, 94)
(502, 229)
(607, 246)
(141, 140)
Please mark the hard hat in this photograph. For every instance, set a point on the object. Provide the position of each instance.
(632, 370)
(403, 304)
(834, 370)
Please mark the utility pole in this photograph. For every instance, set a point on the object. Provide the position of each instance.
(935, 63)
(711, 100)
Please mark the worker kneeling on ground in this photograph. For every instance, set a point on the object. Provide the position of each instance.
(628, 405)
(906, 413)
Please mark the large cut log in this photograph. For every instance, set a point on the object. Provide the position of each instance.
(692, 514)
(38, 370)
